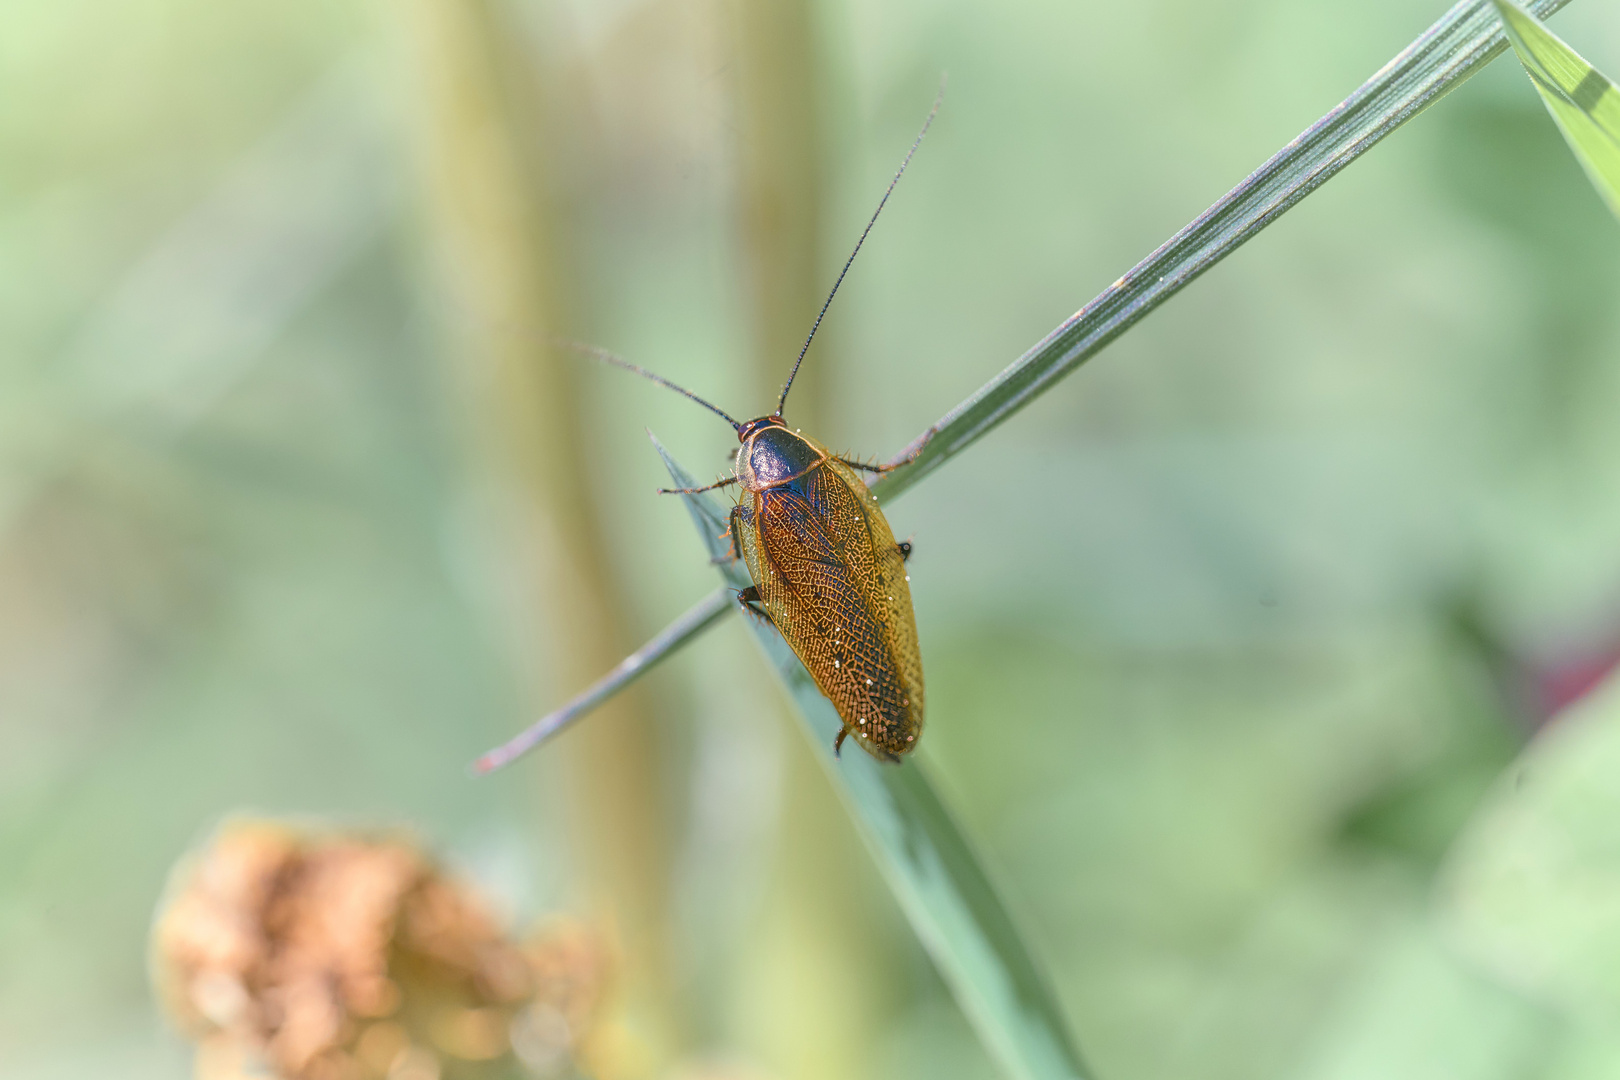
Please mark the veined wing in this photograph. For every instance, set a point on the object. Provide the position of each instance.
(819, 549)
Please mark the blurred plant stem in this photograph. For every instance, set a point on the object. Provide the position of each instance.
(817, 984)
(819, 963)
(780, 174)
(491, 159)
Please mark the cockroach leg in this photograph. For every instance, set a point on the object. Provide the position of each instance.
(838, 743)
(731, 555)
(916, 452)
(698, 490)
(749, 599)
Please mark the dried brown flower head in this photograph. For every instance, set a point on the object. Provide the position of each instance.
(314, 955)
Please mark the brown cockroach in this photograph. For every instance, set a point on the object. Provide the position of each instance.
(827, 571)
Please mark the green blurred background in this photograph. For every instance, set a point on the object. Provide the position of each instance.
(1227, 638)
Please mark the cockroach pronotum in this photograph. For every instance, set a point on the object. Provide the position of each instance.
(827, 571)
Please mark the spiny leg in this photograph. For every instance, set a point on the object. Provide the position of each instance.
(694, 491)
(916, 452)
(733, 552)
(749, 599)
(738, 517)
(732, 538)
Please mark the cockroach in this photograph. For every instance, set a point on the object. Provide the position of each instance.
(827, 571)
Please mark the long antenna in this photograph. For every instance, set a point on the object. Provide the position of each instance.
(938, 98)
(597, 353)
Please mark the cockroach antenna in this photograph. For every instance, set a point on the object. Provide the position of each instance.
(938, 99)
(597, 353)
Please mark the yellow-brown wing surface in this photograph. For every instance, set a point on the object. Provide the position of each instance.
(891, 593)
(829, 574)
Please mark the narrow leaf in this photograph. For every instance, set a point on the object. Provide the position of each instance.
(1585, 105)
(944, 890)
(696, 619)
(1465, 39)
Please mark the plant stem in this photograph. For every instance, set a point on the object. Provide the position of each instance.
(816, 925)
(491, 201)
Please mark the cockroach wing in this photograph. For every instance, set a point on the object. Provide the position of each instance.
(890, 593)
(829, 574)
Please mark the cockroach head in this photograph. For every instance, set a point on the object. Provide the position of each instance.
(753, 427)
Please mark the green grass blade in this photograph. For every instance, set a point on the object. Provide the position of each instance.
(942, 887)
(1460, 43)
(1584, 103)
(692, 622)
